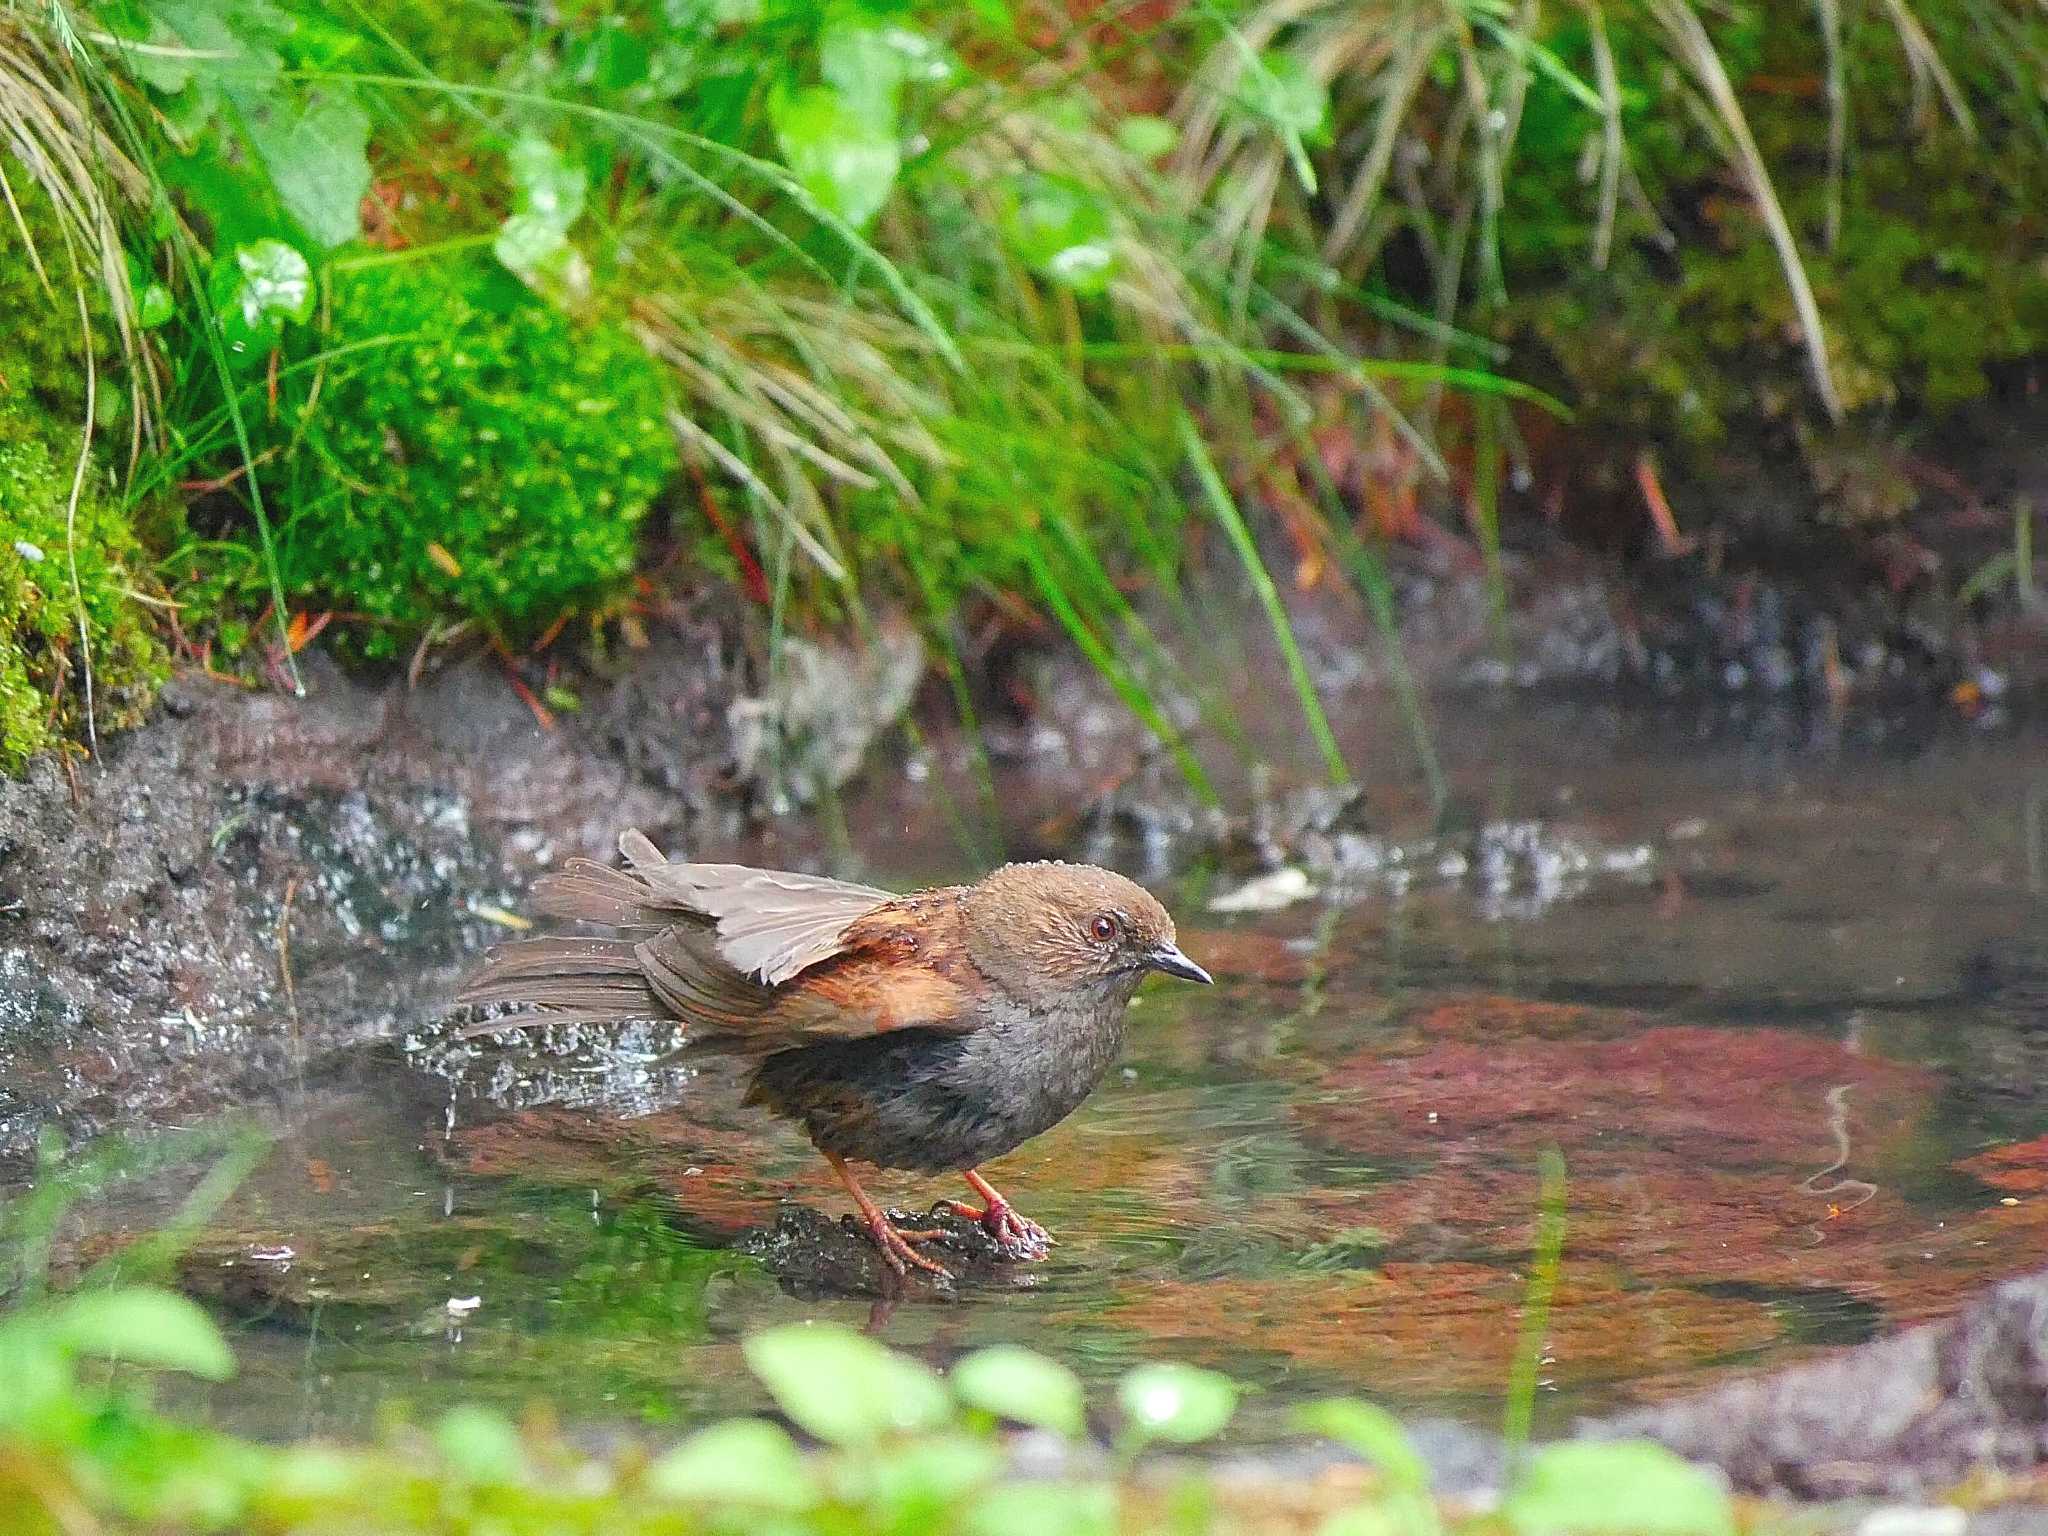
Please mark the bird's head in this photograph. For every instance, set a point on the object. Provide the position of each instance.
(1054, 933)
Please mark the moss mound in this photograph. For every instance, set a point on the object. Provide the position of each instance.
(470, 453)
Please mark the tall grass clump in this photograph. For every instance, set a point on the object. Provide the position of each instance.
(1771, 218)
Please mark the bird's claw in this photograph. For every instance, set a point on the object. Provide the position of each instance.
(1017, 1236)
(897, 1252)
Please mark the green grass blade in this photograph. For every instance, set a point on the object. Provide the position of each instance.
(1225, 508)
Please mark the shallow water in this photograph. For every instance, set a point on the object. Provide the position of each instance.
(1732, 970)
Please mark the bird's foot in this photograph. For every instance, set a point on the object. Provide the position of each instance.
(897, 1251)
(1017, 1236)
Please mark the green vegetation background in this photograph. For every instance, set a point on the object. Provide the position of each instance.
(429, 332)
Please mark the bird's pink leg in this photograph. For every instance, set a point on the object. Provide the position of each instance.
(895, 1245)
(1016, 1235)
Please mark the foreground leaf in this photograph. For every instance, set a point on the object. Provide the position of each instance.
(143, 1325)
(1615, 1488)
(317, 156)
(1015, 1383)
(744, 1461)
(1182, 1403)
(258, 289)
(843, 1387)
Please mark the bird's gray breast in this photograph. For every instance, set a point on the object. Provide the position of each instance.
(933, 1102)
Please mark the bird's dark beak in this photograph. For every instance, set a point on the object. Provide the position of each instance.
(1169, 961)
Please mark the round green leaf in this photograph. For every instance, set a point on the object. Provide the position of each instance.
(258, 289)
(842, 1386)
(926, 1477)
(1177, 1402)
(1615, 1488)
(552, 189)
(1062, 229)
(742, 1461)
(144, 1326)
(153, 305)
(1014, 1383)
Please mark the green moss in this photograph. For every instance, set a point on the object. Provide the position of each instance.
(470, 452)
(42, 674)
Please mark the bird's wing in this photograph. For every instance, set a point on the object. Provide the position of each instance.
(904, 966)
(770, 924)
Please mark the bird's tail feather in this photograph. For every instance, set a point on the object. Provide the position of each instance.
(589, 892)
(580, 981)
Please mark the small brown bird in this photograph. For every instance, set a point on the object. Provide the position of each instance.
(928, 1032)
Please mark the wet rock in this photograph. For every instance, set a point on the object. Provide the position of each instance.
(813, 1255)
(1323, 836)
(1914, 1414)
(810, 730)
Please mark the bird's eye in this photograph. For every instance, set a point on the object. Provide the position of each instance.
(1103, 928)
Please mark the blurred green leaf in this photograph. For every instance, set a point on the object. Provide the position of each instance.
(526, 243)
(1146, 136)
(916, 1483)
(153, 305)
(843, 1387)
(1014, 1383)
(159, 62)
(1279, 89)
(550, 186)
(1060, 228)
(996, 13)
(742, 1461)
(1182, 1403)
(1615, 1488)
(481, 1445)
(1037, 1509)
(142, 1325)
(35, 1370)
(316, 152)
(839, 154)
(550, 193)
(864, 66)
